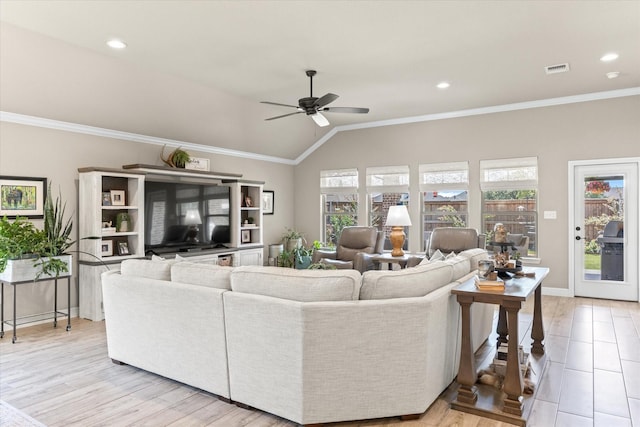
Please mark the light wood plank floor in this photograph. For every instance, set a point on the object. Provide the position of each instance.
(60, 378)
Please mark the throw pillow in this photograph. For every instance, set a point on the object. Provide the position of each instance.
(297, 285)
(436, 256)
(450, 255)
(213, 276)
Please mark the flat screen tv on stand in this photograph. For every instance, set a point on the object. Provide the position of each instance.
(186, 216)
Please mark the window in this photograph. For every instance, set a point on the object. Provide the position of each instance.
(444, 190)
(509, 196)
(386, 186)
(339, 194)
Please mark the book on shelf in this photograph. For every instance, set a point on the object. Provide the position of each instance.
(489, 285)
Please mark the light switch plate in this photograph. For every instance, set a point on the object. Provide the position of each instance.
(550, 215)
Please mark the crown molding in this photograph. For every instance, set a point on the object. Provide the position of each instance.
(133, 137)
(146, 139)
(595, 96)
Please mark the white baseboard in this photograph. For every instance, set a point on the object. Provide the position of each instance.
(557, 292)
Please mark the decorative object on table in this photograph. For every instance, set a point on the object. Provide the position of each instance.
(106, 198)
(267, 202)
(27, 253)
(122, 222)
(485, 284)
(178, 158)
(193, 220)
(485, 266)
(245, 236)
(274, 253)
(197, 163)
(397, 219)
(500, 233)
(22, 196)
(123, 248)
(106, 247)
(107, 227)
(117, 198)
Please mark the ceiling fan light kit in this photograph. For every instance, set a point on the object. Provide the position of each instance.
(313, 106)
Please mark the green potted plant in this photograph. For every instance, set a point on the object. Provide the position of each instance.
(27, 253)
(292, 239)
(302, 257)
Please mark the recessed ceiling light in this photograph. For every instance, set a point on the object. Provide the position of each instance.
(116, 44)
(613, 74)
(443, 85)
(609, 57)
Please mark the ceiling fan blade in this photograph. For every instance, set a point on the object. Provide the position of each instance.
(320, 119)
(346, 110)
(284, 115)
(327, 99)
(276, 103)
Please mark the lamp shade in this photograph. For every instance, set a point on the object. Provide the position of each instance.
(398, 216)
(192, 217)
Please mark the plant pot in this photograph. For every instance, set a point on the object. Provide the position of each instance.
(22, 270)
(303, 262)
(293, 243)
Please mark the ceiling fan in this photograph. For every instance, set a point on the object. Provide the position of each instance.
(313, 106)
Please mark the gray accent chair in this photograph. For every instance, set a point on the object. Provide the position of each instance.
(451, 239)
(355, 249)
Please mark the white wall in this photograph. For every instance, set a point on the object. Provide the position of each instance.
(56, 155)
(556, 135)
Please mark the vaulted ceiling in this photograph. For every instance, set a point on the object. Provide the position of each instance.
(195, 71)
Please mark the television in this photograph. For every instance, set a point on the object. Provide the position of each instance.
(186, 216)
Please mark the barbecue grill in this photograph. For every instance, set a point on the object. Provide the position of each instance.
(612, 254)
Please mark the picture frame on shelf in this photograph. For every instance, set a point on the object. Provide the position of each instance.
(117, 198)
(245, 236)
(106, 247)
(106, 198)
(22, 196)
(267, 202)
(123, 248)
(248, 202)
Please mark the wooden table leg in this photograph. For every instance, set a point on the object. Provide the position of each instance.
(513, 378)
(467, 370)
(501, 328)
(537, 330)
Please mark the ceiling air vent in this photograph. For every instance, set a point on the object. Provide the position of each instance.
(559, 68)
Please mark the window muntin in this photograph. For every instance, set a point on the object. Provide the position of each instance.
(386, 186)
(444, 192)
(509, 196)
(339, 199)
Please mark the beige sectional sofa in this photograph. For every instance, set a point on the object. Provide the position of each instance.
(311, 346)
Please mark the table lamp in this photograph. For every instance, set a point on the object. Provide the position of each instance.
(192, 219)
(397, 219)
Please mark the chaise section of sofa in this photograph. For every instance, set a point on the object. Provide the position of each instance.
(302, 346)
(167, 327)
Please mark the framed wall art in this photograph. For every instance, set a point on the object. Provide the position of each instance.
(267, 202)
(245, 236)
(22, 196)
(106, 247)
(117, 198)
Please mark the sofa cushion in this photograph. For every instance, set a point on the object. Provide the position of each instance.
(474, 255)
(460, 266)
(210, 275)
(297, 285)
(151, 269)
(409, 282)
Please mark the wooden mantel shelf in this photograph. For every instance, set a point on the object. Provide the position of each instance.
(165, 170)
